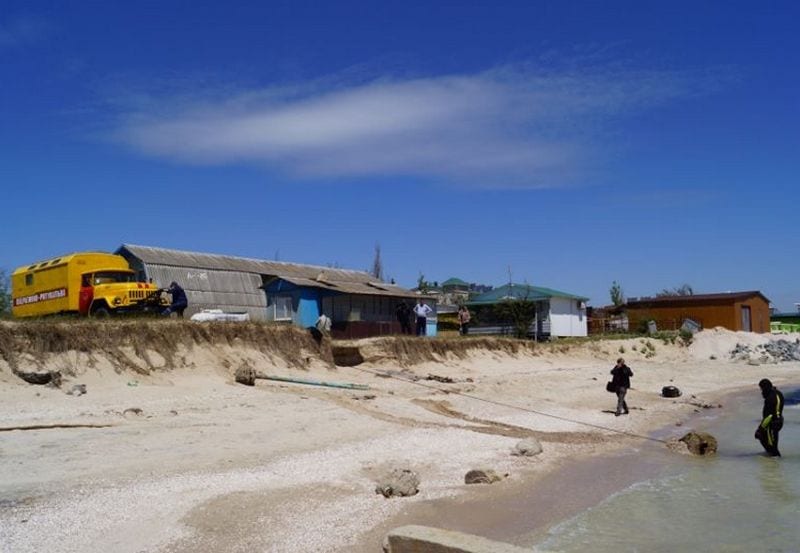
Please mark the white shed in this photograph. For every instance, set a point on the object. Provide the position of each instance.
(558, 314)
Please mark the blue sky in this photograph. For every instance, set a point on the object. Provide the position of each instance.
(575, 143)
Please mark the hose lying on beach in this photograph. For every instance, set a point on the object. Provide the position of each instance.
(509, 405)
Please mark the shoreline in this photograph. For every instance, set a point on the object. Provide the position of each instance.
(521, 511)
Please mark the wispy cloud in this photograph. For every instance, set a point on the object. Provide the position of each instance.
(21, 30)
(508, 126)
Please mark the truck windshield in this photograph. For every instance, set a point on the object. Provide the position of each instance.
(108, 277)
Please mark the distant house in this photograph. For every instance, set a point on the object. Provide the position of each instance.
(748, 311)
(454, 291)
(358, 304)
(558, 314)
(358, 308)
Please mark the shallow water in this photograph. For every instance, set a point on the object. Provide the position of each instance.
(738, 500)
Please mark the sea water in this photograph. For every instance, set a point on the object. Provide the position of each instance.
(739, 500)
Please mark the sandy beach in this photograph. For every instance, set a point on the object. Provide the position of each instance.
(182, 458)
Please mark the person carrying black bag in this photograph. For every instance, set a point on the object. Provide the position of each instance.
(621, 380)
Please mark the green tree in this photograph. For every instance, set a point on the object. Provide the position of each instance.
(682, 290)
(422, 284)
(519, 313)
(5, 295)
(617, 294)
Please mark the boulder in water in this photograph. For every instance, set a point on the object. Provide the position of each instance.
(700, 443)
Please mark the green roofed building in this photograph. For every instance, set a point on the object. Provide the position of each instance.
(455, 283)
(557, 313)
(453, 291)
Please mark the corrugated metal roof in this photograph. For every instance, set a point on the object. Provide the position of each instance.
(241, 275)
(696, 298)
(522, 291)
(180, 258)
(361, 288)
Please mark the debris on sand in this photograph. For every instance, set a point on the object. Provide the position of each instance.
(482, 476)
(50, 378)
(527, 448)
(77, 390)
(245, 375)
(775, 351)
(398, 483)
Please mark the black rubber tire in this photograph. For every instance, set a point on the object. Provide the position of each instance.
(101, 313)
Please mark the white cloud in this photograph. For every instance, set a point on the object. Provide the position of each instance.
(509, 126)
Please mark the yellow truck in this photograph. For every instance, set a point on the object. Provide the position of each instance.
(88, 283)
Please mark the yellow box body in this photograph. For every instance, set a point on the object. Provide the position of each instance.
(76, 283)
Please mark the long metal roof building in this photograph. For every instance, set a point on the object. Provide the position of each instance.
(236, 284)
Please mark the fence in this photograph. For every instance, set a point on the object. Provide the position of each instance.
(622, 325)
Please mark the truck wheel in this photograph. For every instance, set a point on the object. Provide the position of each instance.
(101, 313)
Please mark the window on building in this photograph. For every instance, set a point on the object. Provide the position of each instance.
(283, 308)
(29, 279)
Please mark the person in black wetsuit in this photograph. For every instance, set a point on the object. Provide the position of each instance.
(621, 380)
(771, 418)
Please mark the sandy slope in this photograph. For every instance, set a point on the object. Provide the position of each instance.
(209, 465)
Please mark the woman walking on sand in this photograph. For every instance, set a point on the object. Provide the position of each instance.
(621, 381)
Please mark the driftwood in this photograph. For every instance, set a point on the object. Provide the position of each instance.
(437, 378)
(52, 378)
(50, 426)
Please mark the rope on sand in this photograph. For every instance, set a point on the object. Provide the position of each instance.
(511, 406)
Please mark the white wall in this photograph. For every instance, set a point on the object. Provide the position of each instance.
(566, 318)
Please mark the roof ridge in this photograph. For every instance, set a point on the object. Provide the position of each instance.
(253, 259)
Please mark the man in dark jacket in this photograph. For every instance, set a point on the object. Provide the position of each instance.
(771, 418)
(621, 380)
(179, 302)
(403, 313)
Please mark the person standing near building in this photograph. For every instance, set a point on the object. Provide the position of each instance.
(179, 302)
(403, 313)
(621, 380)
(323, 324)
(771, 418)
(463, 320)
(421, 310)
